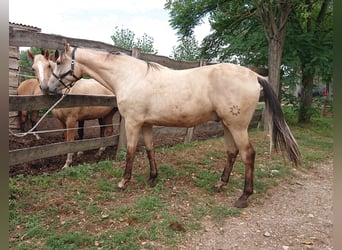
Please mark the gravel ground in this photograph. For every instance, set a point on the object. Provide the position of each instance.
(296, 215)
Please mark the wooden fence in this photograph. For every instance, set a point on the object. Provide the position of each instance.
(22, 38)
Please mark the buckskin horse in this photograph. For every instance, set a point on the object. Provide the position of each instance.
(150, 94)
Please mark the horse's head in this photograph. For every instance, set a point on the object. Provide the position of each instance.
(43, 67)
(66, 72)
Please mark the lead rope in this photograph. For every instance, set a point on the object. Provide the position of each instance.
(34, 127)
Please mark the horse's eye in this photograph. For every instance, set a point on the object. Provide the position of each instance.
(58, 62)
(49, 66)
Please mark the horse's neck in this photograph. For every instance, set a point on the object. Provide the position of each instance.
(112, 71)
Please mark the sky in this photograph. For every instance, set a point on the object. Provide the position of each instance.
(96, 20)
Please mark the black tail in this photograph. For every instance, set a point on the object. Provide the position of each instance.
(282, 137)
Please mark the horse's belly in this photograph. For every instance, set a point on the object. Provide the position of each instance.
(187, 120)
(92, 112)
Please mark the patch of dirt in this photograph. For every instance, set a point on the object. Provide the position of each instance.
(54, 164)
(296, 215)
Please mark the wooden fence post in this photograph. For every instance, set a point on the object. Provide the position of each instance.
(190, 131)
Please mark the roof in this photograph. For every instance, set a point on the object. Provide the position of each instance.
(24, 27)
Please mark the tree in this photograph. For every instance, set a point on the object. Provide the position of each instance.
(274, 18)
(187, 49)
(125, 38)
(232, 21)
(311, 38)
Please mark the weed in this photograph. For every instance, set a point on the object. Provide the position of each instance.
(221, 212)
(207, 180)
(69, 240)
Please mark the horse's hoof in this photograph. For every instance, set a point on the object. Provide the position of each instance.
(152, 182)
(99, 152)
(241, 203)
(122, 185)
(219, 186)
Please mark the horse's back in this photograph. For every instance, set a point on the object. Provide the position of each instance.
(29, 87)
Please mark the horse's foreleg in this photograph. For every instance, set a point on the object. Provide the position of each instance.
(248, 157)
(132, 135)
(148, 139)
(34, 119)
(68, 160)
(232, 153)
(70, 136)
(102, 133)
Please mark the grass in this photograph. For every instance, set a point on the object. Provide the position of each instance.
(81, 208)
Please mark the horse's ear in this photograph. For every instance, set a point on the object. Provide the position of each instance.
(56, 54)
(29, 53)
(66, 45)
(47, 54)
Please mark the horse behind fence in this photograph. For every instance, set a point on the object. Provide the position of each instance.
(68, 117)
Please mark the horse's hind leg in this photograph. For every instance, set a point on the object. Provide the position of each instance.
(148, 139)
(232, 153)
(22, 120)
(80, 131)
(106, 129)
(247, 153)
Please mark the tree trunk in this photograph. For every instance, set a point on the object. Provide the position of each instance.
(306, 96)
(275, 51)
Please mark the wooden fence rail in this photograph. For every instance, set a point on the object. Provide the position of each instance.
(40, 102)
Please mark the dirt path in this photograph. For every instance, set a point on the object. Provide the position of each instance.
(297, 215)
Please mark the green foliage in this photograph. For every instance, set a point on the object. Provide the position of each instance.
(231, 23)
(72, 240)
(309, 39)
(125, 38)
(207, 180)
(187, 49)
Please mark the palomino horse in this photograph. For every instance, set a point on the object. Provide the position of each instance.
(29, 87)
(68, 117)
(32, 87)
(150, 94)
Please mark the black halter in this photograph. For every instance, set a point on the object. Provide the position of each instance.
(70, 72)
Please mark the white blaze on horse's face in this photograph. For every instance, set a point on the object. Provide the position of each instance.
(40, 72)
(42, 69)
